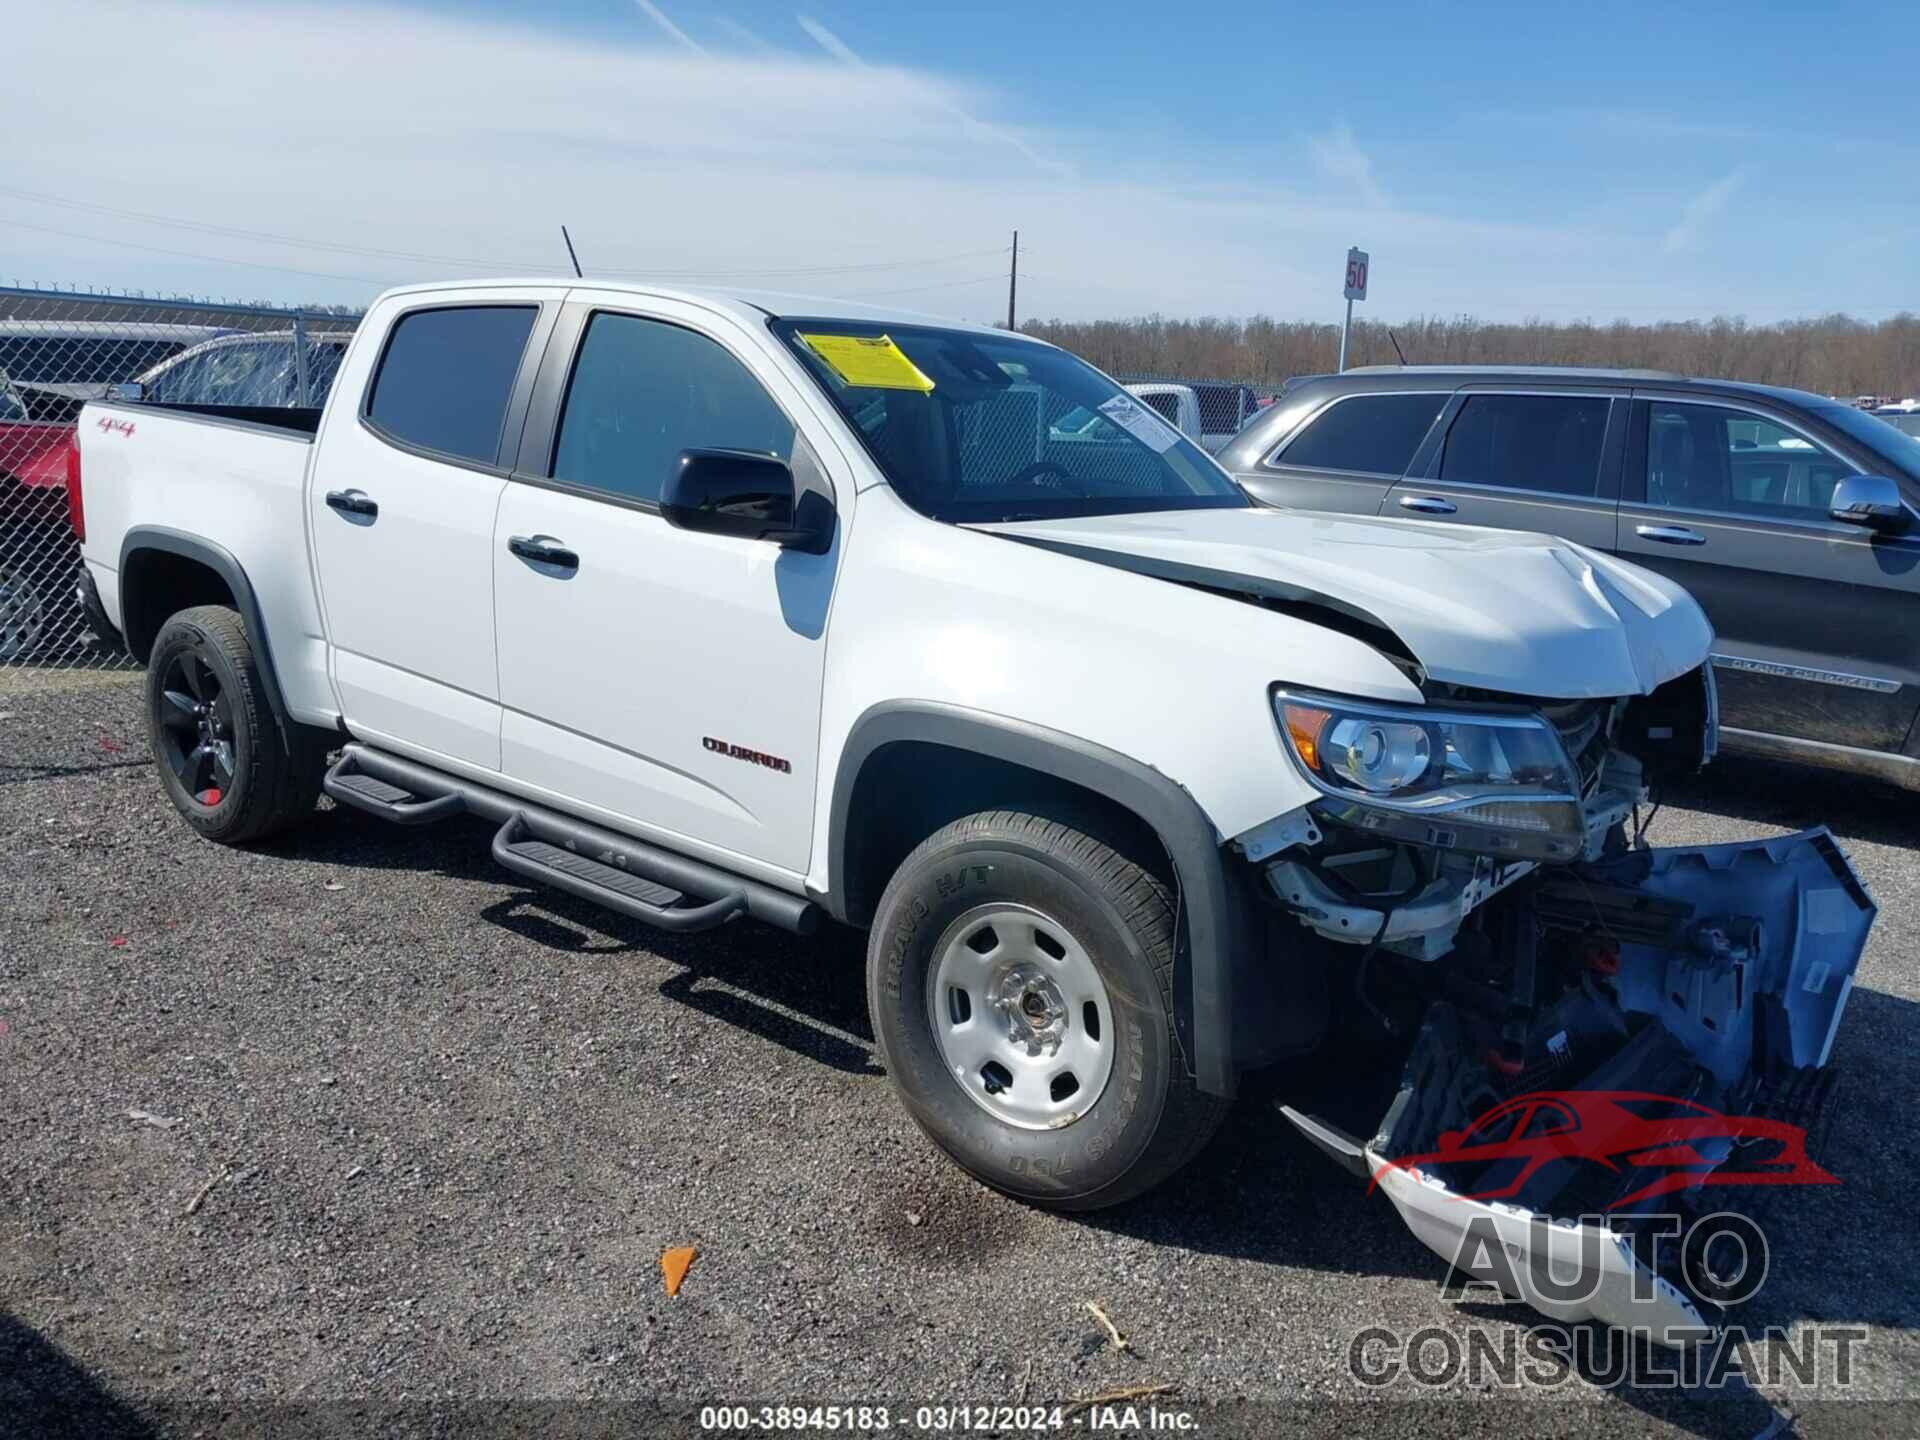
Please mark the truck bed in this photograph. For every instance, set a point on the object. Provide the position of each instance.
(231, 475)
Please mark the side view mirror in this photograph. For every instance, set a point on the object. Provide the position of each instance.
(1870, 500)
(746, 495)
(127, 390)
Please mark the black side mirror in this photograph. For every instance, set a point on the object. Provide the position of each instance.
(1870, 500)
(747, 495)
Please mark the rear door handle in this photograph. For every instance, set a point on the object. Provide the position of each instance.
(1670, 534)
(353, 502)
(544, 550)
(1427, 504)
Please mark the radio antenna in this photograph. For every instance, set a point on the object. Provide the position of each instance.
(570, 255)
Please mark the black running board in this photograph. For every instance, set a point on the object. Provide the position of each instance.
(671, 891)
(350, 785)
(610, 877)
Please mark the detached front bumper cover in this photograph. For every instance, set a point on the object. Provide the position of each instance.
(1735, 963)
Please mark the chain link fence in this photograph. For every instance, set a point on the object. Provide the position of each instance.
(59, 350)
(1210, 412)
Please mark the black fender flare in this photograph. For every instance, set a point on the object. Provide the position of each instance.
(221, 561)
(1217, 927)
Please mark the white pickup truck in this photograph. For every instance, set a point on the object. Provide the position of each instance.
(726, 607)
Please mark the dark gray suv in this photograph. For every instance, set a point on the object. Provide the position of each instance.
(1793, 519)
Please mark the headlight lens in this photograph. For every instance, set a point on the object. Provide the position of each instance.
(1504, 774)
(1380, 756)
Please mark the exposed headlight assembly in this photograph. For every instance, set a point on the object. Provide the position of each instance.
(1495, 783)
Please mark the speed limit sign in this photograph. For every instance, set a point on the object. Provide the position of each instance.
(1356, 274)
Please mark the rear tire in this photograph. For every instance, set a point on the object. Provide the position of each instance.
(1020, 977)
(230, 768)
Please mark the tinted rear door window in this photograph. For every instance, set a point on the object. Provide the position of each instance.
(1528, 442)
(1372, 434)
(447, 374)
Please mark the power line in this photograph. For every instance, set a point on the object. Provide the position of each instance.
(915, 289)
(190, 255)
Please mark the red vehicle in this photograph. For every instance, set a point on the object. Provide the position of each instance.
(39, 550)
(1624, 1130)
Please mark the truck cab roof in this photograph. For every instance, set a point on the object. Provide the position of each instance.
(746, 303)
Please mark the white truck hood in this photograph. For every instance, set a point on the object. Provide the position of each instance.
(1493, 609)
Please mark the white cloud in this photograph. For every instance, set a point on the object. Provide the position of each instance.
(843, 52)
(672, 31)
(1700, 211)
(390, 129)
(1339, 157)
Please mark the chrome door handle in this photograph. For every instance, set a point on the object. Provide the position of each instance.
(1670, 534)
(1427, 504)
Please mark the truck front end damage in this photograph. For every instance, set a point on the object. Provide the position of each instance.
(1600, 1036)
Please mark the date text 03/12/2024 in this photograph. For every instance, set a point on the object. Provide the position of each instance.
(1096, 1415)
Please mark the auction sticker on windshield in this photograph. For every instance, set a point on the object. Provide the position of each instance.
(872, 361)
(1141, 423)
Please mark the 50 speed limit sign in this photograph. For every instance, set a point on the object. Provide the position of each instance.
(1356, 274)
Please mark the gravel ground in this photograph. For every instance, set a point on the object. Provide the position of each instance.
(417, 1135)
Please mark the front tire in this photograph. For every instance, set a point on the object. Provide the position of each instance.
(1020, 977)
(226, 763)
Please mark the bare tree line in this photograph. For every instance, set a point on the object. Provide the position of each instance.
(1833, 355)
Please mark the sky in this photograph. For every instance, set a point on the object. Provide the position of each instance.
(1646, 162)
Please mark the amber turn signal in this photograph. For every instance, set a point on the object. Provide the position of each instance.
(1305, 723)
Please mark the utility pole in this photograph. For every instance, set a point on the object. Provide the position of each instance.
(1013, 276)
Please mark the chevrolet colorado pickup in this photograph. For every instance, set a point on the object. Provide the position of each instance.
(727, 607)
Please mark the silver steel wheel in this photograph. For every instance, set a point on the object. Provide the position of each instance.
(1021, 1016)
(22, 615)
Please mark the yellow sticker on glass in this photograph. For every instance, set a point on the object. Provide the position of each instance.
(872, 361)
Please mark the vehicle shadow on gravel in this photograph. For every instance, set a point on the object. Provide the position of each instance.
(27, 773)
(803, 993)
(46, 1392)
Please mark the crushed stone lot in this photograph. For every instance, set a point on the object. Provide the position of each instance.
(356, 1125)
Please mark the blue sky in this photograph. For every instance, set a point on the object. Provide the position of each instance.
(1621, 160)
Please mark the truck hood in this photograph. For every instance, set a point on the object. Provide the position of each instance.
(1492, 609)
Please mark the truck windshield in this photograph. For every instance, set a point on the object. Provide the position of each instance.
(977, 428)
